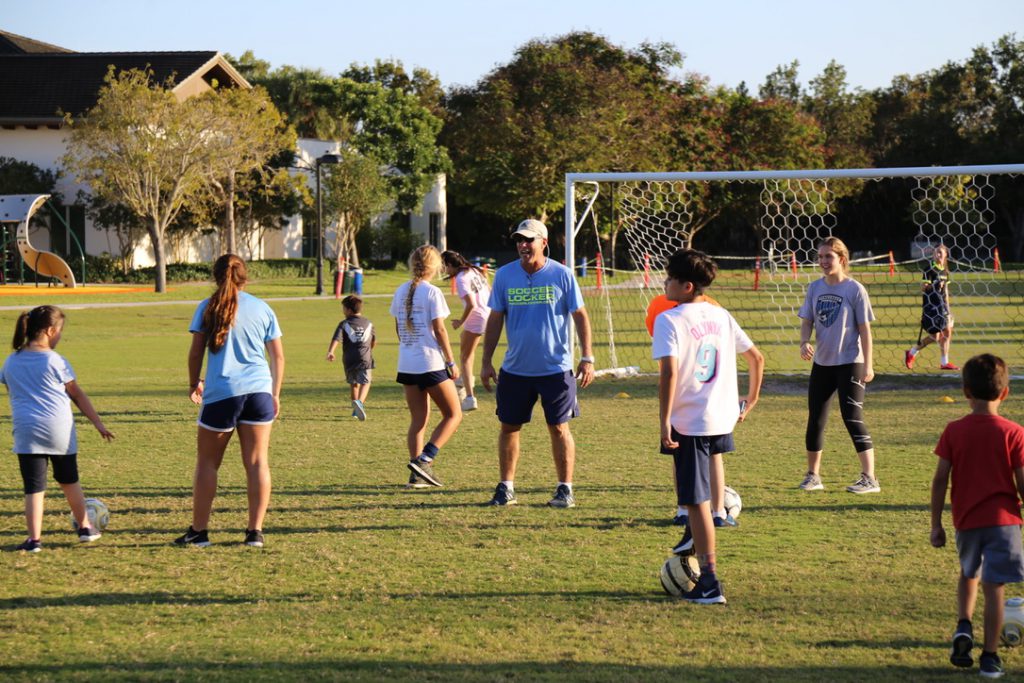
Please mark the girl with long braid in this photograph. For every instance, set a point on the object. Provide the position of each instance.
(471, 286)
(426, 365)
(241, 339)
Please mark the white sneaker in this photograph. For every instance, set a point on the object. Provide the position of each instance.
(811, 482)
(864, 484)
(358, 411)
(468, 404)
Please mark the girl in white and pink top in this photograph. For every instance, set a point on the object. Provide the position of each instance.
(471, 286)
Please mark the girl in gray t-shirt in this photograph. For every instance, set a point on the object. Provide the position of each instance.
(42, 387)
(837, 310)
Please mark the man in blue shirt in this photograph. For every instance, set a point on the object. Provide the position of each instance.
(533, 298)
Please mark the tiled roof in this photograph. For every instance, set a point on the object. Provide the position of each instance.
(13, 44)
(34, 87)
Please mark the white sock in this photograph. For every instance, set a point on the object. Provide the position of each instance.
(567, 484)
(508, 485)
(682, 511)
(944, 359)
(719, 513)
(914, 350)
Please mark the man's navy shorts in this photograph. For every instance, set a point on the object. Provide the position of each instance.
(225, 415)
(517, 394)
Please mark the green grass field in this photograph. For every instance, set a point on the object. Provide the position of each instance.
(361, 580)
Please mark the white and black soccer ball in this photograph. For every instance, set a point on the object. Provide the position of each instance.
(733, 502)
(99, 515)
(679, 575)
(1013, 622)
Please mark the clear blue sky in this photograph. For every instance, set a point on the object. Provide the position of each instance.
(461, 40)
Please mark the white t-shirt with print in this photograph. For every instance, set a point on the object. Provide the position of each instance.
(704, 339)
(418, 350)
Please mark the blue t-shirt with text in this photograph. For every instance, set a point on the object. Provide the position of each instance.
(537, 310)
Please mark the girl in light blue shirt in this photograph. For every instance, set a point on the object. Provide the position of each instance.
(42, 386)
(241, 339)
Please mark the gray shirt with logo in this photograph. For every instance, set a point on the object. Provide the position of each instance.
(837, 311)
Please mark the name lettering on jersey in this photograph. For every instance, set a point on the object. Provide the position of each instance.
(704, 328)
(531, 296)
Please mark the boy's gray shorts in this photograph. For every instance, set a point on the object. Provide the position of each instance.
(358, 376)
(995, 550)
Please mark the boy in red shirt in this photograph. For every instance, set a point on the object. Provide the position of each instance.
(985, 454)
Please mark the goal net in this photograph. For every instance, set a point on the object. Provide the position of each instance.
(767, 225)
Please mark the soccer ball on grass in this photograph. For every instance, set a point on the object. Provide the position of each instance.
(99, 515)
(733, 502)
(1013, 622)
(679, 575)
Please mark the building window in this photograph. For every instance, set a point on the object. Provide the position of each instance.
(435, 230)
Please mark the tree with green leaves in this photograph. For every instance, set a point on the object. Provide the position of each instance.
(574, 103)
(141, 148)
(354, 192)
(783, 84)
(391, 75)
(246, 131)
(23, 177)
(844, 116)
(964, 112)
(381, 113)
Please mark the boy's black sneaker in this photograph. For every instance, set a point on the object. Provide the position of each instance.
(990, 665)
(963, 641)
(424, 469)
(681, 519)
(685, 545)
(254, 538)
(31, 545)
(199, 539)
(707, 591)
(88, 535)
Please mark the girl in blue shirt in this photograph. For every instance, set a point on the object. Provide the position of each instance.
(42, 386)
(241, 392)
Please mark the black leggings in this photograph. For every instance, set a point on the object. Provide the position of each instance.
(33, 470)
(826, 380)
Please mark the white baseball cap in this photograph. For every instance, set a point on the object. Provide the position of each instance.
(531, 228)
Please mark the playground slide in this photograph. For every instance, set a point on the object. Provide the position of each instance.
(19, 208)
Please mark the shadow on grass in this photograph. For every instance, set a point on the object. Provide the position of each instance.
(206, 599)
(361, 668)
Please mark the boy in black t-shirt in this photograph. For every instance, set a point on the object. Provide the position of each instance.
(357, 338)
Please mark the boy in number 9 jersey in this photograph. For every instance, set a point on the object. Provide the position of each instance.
(696, 344)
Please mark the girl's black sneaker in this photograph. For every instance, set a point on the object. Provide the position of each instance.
(199, 539)
(254, 538)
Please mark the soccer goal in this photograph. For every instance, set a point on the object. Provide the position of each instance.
(621, 227)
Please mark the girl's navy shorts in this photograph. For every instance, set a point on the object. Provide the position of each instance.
(225, 415)
(423, 380)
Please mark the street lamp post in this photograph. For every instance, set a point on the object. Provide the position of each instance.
(325, 159)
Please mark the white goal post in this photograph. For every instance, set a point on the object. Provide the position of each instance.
(620, 228)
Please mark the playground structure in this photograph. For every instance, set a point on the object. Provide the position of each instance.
(19, 209)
